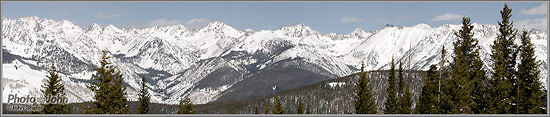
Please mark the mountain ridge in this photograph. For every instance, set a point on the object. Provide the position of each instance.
(178, 61)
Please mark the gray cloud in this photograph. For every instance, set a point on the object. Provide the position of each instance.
(197, 23)
(540, 10)
(351, 19)
(447, 16)
(107, 16)
(539, 23)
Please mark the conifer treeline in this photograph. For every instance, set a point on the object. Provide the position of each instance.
(510, 88)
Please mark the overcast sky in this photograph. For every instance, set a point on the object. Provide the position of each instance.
(325, 17)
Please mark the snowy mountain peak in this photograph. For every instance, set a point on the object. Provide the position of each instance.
(68, 24)
(174, 29)
(93, 27)
(298, 30)
(217, 26)
(357, 32)
(217, 30)
(111, 27)
(422, 25)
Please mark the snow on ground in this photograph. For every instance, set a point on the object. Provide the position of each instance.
(334, 84)
(21, 80)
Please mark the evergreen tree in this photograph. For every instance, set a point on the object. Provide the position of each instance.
(446, 103)
(266, 109)
(466, 88)
(480, 89)
(53, 88)
(278, 109)
(404, 104)
(427, 102)
(391, 98)
(233, 110)
(108, 90)
(441, 71)
(442, 74)
(503, 54)
(144, 98)
(530, 90)
(186, 106)
(364, 102)
(300, 108)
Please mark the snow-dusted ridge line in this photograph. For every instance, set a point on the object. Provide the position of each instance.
(176, 59)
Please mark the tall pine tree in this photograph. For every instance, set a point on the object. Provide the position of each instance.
(400, 76)
(108, 90)
(467, 73)
(530, 88)
(278, 109)
(300, 108)
(442, 71)
(144, 98)
(391, 98)
(364, 101)
(405, 103)
(266, 108)
(427, 102)
(503, 54)
(53, 88)
(186, 106)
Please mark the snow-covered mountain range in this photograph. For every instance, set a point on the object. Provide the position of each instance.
(218, 62)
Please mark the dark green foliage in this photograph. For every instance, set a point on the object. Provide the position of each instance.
(530, 88)
(308, 109)
(300, 108)
(427, 102)
(364, 101)
(405, 103)
(186, 106)
(144, 98)
(466, 89)
(266, 109)
(391, 98)
(446, 103)
(53, 87)
(108, 90)
(503, 53)
(480, 88)
(442, 74)
(278, 109)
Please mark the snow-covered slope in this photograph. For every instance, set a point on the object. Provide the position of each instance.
(206, 63)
